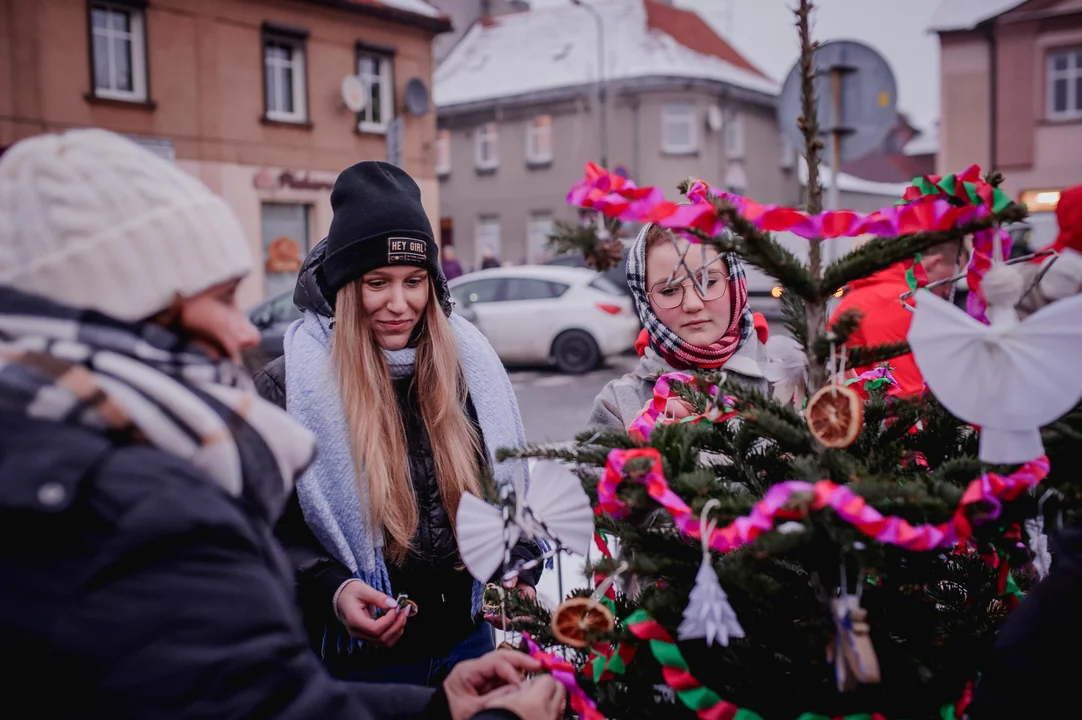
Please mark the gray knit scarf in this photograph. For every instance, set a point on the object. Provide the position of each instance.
(328, 492)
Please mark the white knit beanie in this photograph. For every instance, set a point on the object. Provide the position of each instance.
(91, 220)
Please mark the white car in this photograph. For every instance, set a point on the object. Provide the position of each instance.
(571, 316)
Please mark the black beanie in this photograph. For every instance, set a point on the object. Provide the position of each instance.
(378, 221)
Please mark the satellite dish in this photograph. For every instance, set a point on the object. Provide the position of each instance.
(416, 97)
(869, 96)
(715, 120)
(354, 96)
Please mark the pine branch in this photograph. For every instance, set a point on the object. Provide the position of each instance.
(600, 254)
(839, 332)
(880, 253)
(808, 122)
(764, 252)
(815, 310)
(794, 316)
(875, 354)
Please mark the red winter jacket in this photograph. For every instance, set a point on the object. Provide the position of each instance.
(884, 320)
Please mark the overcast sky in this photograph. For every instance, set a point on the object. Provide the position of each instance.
(763, 31)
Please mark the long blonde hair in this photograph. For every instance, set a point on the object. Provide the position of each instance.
(377, 429)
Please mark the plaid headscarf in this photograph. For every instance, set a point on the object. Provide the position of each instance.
(140, 383)
(677, 353)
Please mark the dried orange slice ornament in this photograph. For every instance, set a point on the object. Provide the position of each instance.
(835, 415)
(579, 617)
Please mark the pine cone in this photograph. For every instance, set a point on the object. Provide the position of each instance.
(605, 255)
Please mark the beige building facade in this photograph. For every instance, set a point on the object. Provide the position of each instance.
(1011, 97)
(244, 94)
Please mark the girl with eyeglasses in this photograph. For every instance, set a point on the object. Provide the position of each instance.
(693, 304)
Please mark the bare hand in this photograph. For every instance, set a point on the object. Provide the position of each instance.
(474, 682)
(496, 620)
(357, 605)
(539, 698)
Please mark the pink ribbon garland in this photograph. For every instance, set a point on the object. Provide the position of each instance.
(990, 490)
(643, 425)
(617, 197)
(564, 673)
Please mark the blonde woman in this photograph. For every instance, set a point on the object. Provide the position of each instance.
(408, 403)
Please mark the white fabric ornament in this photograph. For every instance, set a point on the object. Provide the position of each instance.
(555, 508)
(708, 614)
(1038, 539)
(1038, 545)
(786, 369)
(1010, 377)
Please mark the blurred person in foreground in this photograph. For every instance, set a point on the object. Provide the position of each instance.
(140, 476)
(883, 317)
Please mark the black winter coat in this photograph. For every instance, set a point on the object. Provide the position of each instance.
(432, 576)
(133, 587)
(1034, 668)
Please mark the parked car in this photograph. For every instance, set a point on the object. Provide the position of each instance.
(572, 317)
(273, 316)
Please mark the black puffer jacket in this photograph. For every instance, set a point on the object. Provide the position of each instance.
(134, 588)
(432, 575)
(1032, 671)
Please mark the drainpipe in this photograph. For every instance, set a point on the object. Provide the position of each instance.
(989, 28)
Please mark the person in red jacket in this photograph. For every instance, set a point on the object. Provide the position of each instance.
(884, 319)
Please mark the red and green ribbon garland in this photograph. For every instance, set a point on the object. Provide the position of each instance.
(968, 189)
(606, 661)
(706, 703)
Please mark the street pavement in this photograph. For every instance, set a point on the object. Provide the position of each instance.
(554, 406)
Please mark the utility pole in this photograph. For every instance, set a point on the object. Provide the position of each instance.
(602, 101)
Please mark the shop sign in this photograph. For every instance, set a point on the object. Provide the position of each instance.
(267, 179)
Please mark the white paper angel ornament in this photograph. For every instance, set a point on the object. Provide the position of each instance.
(1010, 377)
(555, 509)
(708, 614)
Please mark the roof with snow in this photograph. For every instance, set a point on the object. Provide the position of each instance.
(556, 47)
(851, 183)
(954, 15)
(926, 143)
(421, 8)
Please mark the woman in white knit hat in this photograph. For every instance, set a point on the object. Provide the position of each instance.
(139, 474)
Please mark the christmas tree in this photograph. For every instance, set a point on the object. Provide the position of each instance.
(861, 554)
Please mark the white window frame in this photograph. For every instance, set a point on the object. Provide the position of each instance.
(443, 153)
(736, 180)
(136, 37)
(735, 144)
(487, 146)
(539, 140)
(482, 240)
(684, 115)
(1071, 75)
(535, 250)
(296, 63)
(385, 78)
(787, 161)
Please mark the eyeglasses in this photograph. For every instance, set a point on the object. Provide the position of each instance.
(667, 296)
